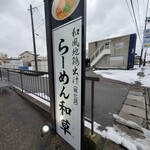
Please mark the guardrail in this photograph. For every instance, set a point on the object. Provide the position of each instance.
(91, 120)
(33, 82)
(37, 84)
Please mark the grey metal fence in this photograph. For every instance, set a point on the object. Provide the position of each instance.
(33, 82)
(37, 84)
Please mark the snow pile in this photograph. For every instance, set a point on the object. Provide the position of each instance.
(116, 135)
(128, 76)
(39, 99)
(119, 137)
(43, 95)
(45, 76)
(128, 123)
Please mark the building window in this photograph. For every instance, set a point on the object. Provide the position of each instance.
(107, 46)
(119, 45)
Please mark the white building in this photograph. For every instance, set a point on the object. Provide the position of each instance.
(118, 52)
(3, 59)
(14, 63)
(41, 63)
(27, 57)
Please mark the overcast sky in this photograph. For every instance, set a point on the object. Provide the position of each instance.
(105, 19)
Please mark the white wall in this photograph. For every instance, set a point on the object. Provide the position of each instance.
(42, 65)
(14, 64)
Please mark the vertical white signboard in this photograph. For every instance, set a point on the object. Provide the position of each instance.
(67, 74)
(65, 31)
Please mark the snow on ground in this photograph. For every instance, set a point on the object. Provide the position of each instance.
(45, 75)
(127, 122)
(43, 95)
(116, 135)
(39, 99)
(128, 76)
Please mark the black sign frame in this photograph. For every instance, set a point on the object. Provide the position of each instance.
(80, 11)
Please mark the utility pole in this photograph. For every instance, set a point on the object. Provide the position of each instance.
(147, 20)
(33, 35)
(140, 63)
(145, 58)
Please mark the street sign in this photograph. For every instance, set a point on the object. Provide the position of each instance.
(65, 27)
(147, 38)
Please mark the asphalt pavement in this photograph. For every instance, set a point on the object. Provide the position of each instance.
(20, 125)
(109, 96)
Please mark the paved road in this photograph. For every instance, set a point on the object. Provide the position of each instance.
(109, 98)
(20, 126)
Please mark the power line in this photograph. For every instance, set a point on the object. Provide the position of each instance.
(39, 26)
(130, 11)
(33, 2)
(146, 20)
(40, 5)
(144, 9)
(37, 34)
(139, 15)
(135, 20)
(37, 18)
(147, 8)
(39, 13)
(39, 22)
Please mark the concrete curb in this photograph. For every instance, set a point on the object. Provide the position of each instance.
(43, 108)
(148, 108)
(135, 109)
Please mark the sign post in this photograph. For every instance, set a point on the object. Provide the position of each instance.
(147, 38)
(65, 30)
